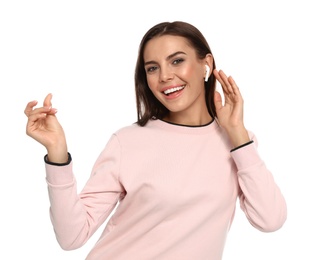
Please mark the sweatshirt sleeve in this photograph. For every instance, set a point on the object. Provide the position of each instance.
(75, 217)
(260, 197)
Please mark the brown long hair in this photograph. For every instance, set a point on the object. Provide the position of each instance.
(148, 106)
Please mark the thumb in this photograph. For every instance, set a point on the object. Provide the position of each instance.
(47, 101)
(218, 100)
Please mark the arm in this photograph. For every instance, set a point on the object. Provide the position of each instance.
(260, 197)
(75, 217)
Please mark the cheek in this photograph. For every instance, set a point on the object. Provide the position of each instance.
(152, 83)
(188, 73)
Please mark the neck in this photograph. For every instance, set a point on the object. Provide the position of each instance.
(191, 120)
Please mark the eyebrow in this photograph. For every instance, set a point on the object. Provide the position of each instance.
(167, 58)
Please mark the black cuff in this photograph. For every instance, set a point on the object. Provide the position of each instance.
(58, 164)
(240, 146)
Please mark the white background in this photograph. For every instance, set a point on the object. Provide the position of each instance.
(84, 52)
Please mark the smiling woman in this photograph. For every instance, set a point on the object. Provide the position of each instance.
(176, 174)
(175, 76)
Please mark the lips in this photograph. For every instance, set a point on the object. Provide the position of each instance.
(170, 91)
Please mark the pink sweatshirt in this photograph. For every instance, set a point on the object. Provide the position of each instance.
(177, 188)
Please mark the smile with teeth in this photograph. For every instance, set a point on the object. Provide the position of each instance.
(172, 90)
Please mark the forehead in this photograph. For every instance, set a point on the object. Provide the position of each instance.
(165, 45)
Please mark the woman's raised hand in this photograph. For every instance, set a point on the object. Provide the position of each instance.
(230, 114)
(43, 126)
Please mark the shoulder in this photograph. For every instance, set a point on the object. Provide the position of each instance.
(131, 132)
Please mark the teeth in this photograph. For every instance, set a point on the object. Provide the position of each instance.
(171, 90)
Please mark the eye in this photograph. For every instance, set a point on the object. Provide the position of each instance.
(177, 61)
(151, 69)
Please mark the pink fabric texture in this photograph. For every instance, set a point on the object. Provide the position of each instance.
(176, 188)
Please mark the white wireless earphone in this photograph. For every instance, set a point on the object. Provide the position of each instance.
(207, 73)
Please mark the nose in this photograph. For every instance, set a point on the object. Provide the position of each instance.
(166, 74)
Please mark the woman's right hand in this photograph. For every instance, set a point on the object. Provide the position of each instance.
(44, 127)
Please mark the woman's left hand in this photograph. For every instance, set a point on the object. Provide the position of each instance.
(230, 114)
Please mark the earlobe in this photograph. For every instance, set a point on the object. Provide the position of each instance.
(207, 73)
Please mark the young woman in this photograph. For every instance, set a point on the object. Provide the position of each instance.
(176, 173)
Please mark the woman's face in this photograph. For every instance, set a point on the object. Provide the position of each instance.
(176, 76)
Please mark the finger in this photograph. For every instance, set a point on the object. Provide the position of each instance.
(223, 80)
(29, 107)
(217, 76)
(42, 110)
(218, 100)
(233, 85)
(235, 89)
(228, 81)
(47, 101)
(36, 116)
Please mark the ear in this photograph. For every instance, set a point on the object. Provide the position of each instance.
(208, 65)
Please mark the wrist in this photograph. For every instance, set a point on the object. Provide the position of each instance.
(238, 136)
(57, 154)
(69, 159)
